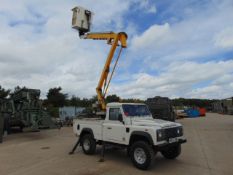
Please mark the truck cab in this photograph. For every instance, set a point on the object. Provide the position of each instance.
(131, 126)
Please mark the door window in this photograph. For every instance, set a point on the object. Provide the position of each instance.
(114, 113)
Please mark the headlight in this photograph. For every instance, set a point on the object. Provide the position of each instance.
(179, 131)
(160, 135)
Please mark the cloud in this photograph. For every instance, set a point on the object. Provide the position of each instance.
(155, 35)
(193, 36)
(184, 57)
(147, 6)
(180, 80)
(178, 56)
(205, 92)
(225, 38)
(39, 49)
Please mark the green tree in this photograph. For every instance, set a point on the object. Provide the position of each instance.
(193, 102)
(4, 93)
(92, 100)
(55, 97)
(74, 101)
(112, 98)
(132, 100)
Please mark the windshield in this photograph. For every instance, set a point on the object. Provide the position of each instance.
(136, 110)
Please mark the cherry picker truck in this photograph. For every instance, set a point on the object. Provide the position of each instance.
(126, 125)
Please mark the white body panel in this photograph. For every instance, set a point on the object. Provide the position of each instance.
(94, 124)
(114, 132)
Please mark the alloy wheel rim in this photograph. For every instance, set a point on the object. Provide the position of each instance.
(86, 144)
(140, 155)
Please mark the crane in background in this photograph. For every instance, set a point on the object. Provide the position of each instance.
(81, 21)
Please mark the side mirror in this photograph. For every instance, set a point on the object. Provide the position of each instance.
(120, 118)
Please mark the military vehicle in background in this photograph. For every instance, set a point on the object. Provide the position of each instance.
(224, 106)
(1, 127)
(24, 109)
(161, 108)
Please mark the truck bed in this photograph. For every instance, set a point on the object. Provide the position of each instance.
(94, 123)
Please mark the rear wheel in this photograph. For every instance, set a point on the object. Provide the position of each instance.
(88, 144)
(141, 154)
(172, 152)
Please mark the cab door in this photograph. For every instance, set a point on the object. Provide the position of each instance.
(113, 128)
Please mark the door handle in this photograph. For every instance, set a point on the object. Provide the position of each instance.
(109, 128)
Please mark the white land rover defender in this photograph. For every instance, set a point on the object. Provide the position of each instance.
(131, 126)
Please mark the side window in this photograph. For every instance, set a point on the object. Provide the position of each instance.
(114, 113)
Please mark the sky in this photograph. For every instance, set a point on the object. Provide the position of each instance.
(175, 48)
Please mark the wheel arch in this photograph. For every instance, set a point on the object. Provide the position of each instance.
(86, 131)
(140, 135)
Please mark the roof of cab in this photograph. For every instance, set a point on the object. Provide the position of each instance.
(119, 104)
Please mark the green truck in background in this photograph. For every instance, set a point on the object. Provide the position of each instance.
(24, 109)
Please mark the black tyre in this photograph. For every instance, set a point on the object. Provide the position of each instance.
(141, 154)
(88, 144)
(172, 152)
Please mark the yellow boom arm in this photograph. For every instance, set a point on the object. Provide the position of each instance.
(114, 39)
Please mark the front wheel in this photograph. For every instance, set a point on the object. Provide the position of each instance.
(88, 144)
(172, 152)
(141, 154)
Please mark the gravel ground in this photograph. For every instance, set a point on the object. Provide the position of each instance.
(209, 150)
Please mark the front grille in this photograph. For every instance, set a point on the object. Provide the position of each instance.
(172, 132)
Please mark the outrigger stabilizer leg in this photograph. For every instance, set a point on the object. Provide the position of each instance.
(75, 146)
(102, 152)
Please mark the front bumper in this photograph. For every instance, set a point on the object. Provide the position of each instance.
(167, 144)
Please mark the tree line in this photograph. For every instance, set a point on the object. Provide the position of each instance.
(55, 98)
